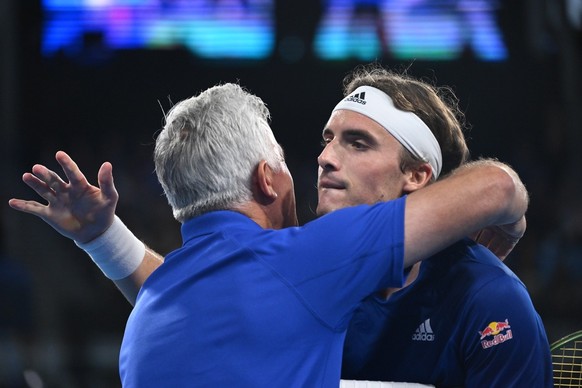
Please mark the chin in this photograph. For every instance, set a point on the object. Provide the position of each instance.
(330, 200)
(325, 209)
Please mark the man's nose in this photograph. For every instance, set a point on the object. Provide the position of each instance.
(328, 159)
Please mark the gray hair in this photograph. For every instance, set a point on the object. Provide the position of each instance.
(206, 154)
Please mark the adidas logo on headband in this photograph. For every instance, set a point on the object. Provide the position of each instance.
(406, 127)
(360, 98)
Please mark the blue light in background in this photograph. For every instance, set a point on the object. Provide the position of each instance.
(227, 29)
(245, 29)
(409, 29)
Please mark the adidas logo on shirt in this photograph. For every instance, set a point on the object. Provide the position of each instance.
(360, 98)
(423, 332)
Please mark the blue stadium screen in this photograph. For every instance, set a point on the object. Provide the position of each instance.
(246, 29)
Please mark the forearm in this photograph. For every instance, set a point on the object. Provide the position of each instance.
(123, 258)
(477, 195)
(509, 192)
(130, 285)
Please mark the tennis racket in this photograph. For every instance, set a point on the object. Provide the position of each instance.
(567, 360)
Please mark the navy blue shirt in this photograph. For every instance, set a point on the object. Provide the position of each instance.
(467, 320)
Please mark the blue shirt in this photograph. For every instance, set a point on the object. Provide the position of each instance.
(241, 306)
(467, 320)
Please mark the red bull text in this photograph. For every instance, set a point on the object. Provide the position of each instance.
(500, 331)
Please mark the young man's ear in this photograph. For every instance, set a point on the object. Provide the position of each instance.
(417, 178)
(264, 178)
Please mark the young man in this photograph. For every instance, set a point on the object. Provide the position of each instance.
(470, 323)
(241, 303)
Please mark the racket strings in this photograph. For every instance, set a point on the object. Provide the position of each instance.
(567, 362)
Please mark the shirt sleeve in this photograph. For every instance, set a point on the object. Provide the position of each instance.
(505, 343)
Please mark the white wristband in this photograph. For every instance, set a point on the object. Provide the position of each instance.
(117, 252)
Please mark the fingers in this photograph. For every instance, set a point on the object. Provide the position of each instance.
(491, 240)
(77, 182)
(476, 236)
(71, 170)
(31, 207)
(39, 184)
(497, 241)
(48, 184)
(105, 179)
(49, 177)
(77, 179)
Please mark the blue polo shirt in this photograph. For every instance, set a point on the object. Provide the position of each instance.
(241, 306)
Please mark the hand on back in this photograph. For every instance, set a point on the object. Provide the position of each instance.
(501, 239)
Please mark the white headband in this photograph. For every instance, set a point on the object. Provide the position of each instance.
(406, 127)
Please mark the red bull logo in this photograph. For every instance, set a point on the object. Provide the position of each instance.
(499, 331)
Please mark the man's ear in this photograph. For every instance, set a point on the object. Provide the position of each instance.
(417, 178)
(264, 177)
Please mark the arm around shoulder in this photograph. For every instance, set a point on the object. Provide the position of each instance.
(476, 195)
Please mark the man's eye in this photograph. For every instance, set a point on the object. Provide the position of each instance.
(325, 142)
(358, 145)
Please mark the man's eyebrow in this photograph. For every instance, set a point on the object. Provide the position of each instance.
(360, 134)
(357, 132)
(353, 133)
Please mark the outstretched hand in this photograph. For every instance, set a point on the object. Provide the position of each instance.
(501, 239)
(76, 209)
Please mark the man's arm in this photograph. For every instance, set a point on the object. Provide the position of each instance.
(476, 195)
(130, 285)
(83, 213)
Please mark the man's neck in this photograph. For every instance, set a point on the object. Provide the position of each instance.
(256, 213)
(412, 275)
